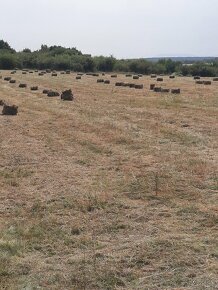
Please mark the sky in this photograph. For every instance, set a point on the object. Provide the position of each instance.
(122, 28)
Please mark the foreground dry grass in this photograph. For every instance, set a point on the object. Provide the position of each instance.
(116, 190)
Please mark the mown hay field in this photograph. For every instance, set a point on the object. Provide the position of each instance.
(114, 190)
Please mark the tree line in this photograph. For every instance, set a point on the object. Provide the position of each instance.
(61, 58)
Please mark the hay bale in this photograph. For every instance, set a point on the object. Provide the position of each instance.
(80, 74)
(48, 71)
(95, 75)
(153, 76)
(40, 74)
(215, 79)
(12, 81)
(30, 72)
(128, 75)
(62, 72)
(78, 77)
(157, 89)
(197, 78)
(67, 72)
(207, 83)
(24, 73)
(54, 74)
(163, 90)
(103, 74)
(152, 86)
(22, 85)
(107, 82)
(140, 87)
(113, 76)
(125, 84)
(119, 84)
(13, 72)
(7, 79)
(67, 95)
(53, 94)
(199, 82)
(2, 103)
(9, 110)
(100, 81)
(159, 79)
(45, 92)
(172, 77)
(34, 88)
(175, 91)
(132, 86)
(135, 77)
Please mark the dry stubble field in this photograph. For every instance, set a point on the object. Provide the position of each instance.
(115, 190)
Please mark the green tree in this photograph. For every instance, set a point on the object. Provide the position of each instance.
(8, 61)
(5, 46)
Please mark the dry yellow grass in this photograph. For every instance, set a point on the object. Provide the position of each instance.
(115, 190)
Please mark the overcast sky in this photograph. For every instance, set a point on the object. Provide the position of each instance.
(123, 28)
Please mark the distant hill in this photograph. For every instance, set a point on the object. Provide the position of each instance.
(184, 59)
